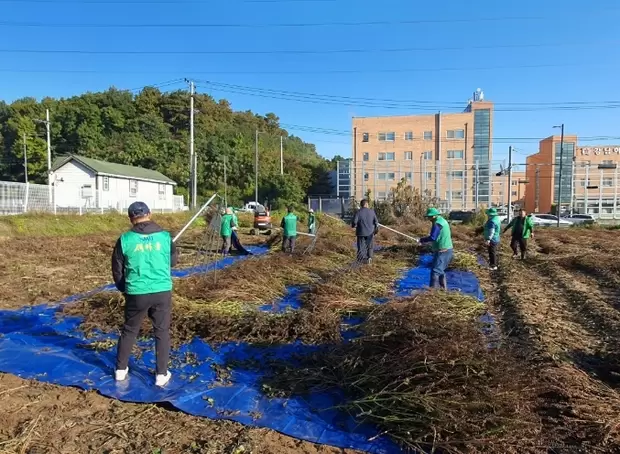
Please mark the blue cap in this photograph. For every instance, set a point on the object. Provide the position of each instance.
(138, 210)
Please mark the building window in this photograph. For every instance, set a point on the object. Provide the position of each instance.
(409, 135)
(106, 183)
(456, 195)
(429, 175)
(366, 156)
(455, 134)
(386, 136)
(381, 176)
(567, 177)
(391, 176)
(408, 155)
(607, 162)
(514, 193)
(428, 135)
(409, 176)
(428, 155)
(133, 188)
(161, 189)
(455, 154)
(381, 195)
(608, 182)
(365, 137)
(87, 191)
(387, 156)
(514, 183)
(366, 176)
(455, 174)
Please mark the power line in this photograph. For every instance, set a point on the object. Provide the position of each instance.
(328, 71)
(415, 105)
(295, 51)
(164, 84)
(398, 103)
(272, 25)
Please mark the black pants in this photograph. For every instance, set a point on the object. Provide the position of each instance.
(365, 247)
(288, 243)
(493, 253)
(158, 307)
(226, 243)
(518, 243)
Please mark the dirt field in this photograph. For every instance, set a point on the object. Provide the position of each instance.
(557, 311)
(39, 418)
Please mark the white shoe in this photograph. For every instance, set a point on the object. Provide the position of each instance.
(121, 375)
(162, 380)
(493, 268)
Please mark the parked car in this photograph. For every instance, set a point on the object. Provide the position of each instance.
(549, 220)
(579, 219)
(460, 216)
(251, 207)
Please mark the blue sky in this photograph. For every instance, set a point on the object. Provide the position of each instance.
(518, 52)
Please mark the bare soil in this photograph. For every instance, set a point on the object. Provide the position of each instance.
(557, 312)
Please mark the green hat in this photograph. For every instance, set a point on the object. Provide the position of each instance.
(492, 212)
(432, 212)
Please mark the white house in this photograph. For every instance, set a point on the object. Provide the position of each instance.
(98, 185)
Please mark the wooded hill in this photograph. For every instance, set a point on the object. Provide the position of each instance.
(151, 129)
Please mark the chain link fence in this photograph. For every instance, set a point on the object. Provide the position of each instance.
(19, 198)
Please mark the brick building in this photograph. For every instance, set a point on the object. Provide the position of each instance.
(443, 153)
(589, 178)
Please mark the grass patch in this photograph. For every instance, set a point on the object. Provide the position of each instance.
(50, 225)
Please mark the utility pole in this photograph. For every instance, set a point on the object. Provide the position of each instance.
(476, 185)
(256, 168)
(49, 147)
(49, 151)
(509, 183)
(192, 169)
(281, 155)
(25, 161)
(225, 184)
(195, 183)
(558, 209)
(537, 192)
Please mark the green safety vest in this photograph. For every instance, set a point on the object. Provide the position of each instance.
(497, 223)
(311, 221)
(528, 226)
(444, 241)
(235, 219)
(290, 225)
(147, 262)
(225, 228)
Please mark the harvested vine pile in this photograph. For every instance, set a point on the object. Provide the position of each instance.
(424, 373)
(220, 322)
(226, 305)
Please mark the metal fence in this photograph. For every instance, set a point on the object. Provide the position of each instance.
(18, 198)
(587, 188)
(456, 186)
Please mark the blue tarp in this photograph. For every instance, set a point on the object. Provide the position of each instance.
(39, 343)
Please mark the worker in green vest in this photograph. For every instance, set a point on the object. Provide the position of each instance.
(522, 230)
(492, 231)
(141, 263)
(289, 231)
(235, 218)
(226, 228)
(440, 238)
(311, 222)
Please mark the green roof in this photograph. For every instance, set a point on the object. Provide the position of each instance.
(112, 169)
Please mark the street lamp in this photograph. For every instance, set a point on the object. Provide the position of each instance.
(559, 204)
